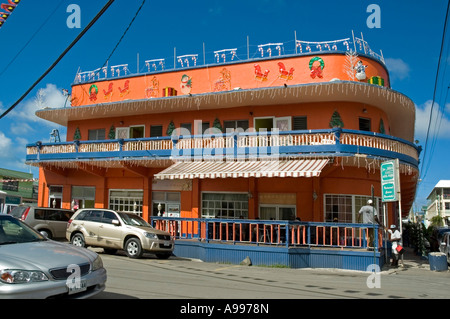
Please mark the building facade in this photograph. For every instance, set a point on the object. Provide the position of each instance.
(439, 202)
(275, 137)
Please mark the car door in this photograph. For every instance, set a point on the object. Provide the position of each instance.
(110, 234)
(90, 224)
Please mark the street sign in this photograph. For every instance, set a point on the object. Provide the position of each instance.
(390, 181)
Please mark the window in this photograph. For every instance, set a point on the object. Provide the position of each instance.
(126, 201)
(202, 127)
(299, 123)
(277, 212)
(186, 128)
(83, 197)
(98, 134)
(364, 124)
(10, 185)
(224, 205)
(167, 202)
(156, 130)
(346, 207)
(233, 125)
(137, 131)
(55, 196)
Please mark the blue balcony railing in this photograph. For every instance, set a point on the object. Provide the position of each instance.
(235, 145)
(271, 232)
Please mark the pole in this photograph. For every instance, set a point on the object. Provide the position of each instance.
(385, 219)
(375, 235)
(295, 43)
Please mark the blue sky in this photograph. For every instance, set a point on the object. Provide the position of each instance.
(36, 33)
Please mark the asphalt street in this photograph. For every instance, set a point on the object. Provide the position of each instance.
(181, 278)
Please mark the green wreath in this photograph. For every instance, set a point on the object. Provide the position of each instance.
(311, 62)
(95, 87)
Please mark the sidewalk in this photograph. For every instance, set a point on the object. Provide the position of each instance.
(410, 260)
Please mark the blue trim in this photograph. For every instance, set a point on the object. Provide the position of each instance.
(279, 256)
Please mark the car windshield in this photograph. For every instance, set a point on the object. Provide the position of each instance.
(13, 231)
(133, 220)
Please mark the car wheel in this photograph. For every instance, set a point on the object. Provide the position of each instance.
(78, 240)
(133, 248)
(163, 255)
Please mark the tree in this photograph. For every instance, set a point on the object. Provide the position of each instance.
(217, 125)
(77, 134)
(170, 128)
(336, 120)
(112, 133)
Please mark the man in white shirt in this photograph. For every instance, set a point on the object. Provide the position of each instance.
(396, 236)
(368, 215)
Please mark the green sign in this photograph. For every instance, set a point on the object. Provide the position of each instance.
(389, 181)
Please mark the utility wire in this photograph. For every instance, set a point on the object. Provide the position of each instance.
(435, 88)
(32, 37)
(82, 33)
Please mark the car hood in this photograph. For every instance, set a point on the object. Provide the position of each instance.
(43, 255)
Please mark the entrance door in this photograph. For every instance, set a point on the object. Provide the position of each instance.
(264, 124)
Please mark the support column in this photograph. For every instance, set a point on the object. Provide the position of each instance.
(253, 198)
(147, 200)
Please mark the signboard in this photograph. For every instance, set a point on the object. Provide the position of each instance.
(390, 181)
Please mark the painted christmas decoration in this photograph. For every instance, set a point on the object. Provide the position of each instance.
(284, 73)
(93, 91)
(259, 75)
(125, 89)
(376, 80)
(316, 65)
(336, 120)
(186, 84)
(360, 70)
(223, 83)
(168, 91)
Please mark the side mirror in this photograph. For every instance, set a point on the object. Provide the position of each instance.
(116, 222)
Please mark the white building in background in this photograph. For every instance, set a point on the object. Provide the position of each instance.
(439, 201)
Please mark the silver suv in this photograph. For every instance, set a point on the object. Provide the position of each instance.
(50, 222)
(113, 231)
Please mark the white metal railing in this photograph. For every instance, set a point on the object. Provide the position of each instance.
(246, 140)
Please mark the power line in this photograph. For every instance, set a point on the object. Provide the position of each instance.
(32, 37)
(435, 88)
(82, 33)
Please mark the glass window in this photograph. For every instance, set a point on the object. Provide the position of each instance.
(126, 201)
(98, 134)
(108, 217)
(224, 205)
(137, 131)
(242, 125)
(156, 130)
(345, 208)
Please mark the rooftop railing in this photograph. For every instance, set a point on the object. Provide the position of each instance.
(263, 51)
(331, 142)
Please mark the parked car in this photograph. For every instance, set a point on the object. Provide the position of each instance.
(7, 208)
(50, 222)
(116, 230)
(444, 246)
(32, 266)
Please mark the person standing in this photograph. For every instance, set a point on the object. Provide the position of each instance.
(368, 215)
(396, 236)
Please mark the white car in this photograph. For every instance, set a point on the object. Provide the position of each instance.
(444, 245)
(34, 267)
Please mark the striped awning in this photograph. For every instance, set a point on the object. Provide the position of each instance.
(236, 169)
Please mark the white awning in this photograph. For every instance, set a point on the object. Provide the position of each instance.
(236, 169)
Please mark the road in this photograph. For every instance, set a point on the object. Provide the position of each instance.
(180, 278)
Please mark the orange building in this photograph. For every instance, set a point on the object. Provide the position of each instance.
(279, 137)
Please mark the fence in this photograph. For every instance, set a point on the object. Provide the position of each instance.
(270, 232)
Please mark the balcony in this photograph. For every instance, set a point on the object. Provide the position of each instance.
(286, 144)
